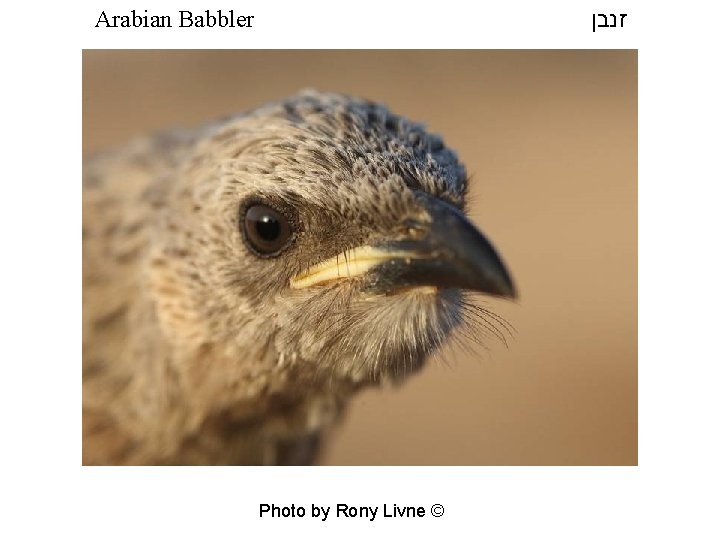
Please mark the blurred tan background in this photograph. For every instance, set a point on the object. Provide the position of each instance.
(550, 138)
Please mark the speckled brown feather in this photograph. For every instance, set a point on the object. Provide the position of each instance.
(197, 352)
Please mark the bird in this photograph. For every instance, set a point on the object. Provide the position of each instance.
(244, 279)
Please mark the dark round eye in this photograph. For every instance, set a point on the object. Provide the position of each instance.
(266, 230)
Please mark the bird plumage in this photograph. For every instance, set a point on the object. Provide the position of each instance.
(196, 348)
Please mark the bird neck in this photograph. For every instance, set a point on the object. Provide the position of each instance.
(214, 405)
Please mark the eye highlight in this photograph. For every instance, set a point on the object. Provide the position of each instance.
(266, 230)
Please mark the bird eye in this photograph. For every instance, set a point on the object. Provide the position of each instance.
(266, 230)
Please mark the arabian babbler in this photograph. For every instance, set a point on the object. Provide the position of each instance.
(243, 280)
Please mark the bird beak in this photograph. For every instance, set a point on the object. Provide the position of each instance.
(445, 252)
(452, 253)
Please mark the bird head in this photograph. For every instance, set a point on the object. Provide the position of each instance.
(329, 231)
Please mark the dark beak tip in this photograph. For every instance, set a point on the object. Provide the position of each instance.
(491, 273)
(501, 288)
(511, 293)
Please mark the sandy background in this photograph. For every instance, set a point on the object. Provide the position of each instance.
(550, 138)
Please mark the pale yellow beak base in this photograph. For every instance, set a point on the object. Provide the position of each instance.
(350, 263)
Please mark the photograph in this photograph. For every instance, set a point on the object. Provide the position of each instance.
(360, 270)
(360, 257)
